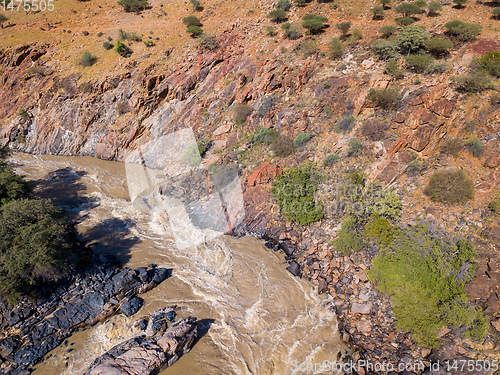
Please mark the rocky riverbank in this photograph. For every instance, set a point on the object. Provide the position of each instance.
(366, 321)
(33, 328)
(145, 356)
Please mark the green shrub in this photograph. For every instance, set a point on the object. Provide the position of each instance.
(412, 38)
(122, 49)
(450, 186)
(460, 3)
(300, 3)
(33, 246)
(270, 31)
(379, 230)
(496, 13)
(336, 48)
(425, 273)
(418, 62)
(378, 12)
(277, 15)
(208, 42)
(385, 50)
(149, 43)
(434, 8)
(408, 9)
(345, 124)
(301, 139)
(355, 148)
(266, 136)
(413, 167)
(12, 186)
(283, 4)
(85, 33)
(122, 35)
(87, 59)
(348, 239)
(392, 68)
(107, 45)
(437, 46)
(294, 192)
(385, 2)
(489, 63)
(474, 82)
(133, 6)
(314, 23)
(196, 5)
(495, 205)
(194, 30)
(3, 18)
(387, 30)
(405, 21)
(374, 129)
(292, 32)
(191, 21)
(475, 146)
(452, 146)
(436, 67)
(241, 112)
(330, 159)
(384, 98)
(309, 48)
(357, 34)
(463, 31)
(282, 147)
(344, 27)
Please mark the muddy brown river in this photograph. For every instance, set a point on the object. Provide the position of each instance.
(265, 321)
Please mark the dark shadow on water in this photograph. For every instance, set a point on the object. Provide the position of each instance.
(112, 236)
(63, 186)
(203, 328)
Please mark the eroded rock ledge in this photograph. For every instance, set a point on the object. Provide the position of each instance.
(143, 356)
(32, 329)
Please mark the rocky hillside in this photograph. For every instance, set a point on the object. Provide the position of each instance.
(246, 78)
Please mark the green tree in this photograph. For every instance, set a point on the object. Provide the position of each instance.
(344, 27)
(277, 15)
(191, 21)
(460, 3)
(314, 23)
(295, 191)
(496, 13)
(34, 245)
(194, 30)
(412, 39)
(385, 3)
(336, 48)
(284, 4)
(12, 186)
(378, 12)
(425, 273)
(133, 6)
(434, 8)
(196, 5)
(122, 49)
(387, 30)
(437, 46)
(463, 31)
(408, 9)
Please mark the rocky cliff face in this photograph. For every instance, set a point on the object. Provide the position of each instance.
(48, 112)
(45, 111)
